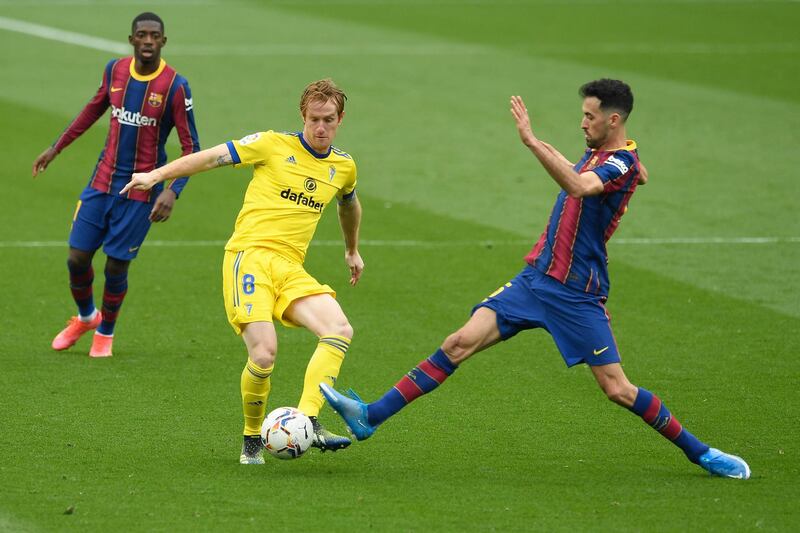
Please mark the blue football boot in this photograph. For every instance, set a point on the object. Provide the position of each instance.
(353, 410)
(723, 464)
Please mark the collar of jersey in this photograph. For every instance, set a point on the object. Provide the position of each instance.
(311, 150)
(630, 146)
(138, 77)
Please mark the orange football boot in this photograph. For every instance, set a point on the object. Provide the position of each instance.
(75, 328)
(101, 345)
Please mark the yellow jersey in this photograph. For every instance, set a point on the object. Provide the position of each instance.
(291, 186)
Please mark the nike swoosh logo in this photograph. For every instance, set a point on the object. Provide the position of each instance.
(601, 350)
(115, 89)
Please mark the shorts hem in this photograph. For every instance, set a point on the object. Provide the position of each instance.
(237, 326)
(590, 362)
(503, 326)
(281, 307)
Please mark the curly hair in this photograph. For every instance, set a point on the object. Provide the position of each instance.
(613, 94)
(323, 91)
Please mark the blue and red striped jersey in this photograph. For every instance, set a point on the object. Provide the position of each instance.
(144, 110)
(572, 248)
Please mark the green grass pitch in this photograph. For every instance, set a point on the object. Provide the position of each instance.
(149, 440)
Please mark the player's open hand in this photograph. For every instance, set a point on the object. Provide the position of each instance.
(520, 114)
(162, 209)
(355, 264)
(142, 181)
(44, 159)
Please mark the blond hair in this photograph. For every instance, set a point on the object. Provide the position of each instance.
(323, 91)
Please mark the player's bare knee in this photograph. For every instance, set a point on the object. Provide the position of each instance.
(73, 264)
(116, 267)
(450, 344)
(623, 394)
(345, 330)
(79, 259)
(615, 394)
(458, 347)
(262, 355)
(338, 326)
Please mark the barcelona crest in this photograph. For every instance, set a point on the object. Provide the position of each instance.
(155, 99)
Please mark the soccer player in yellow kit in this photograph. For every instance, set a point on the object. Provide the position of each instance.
(295, 175)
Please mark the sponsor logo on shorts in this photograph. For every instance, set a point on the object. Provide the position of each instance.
(301, 199)
(601, 350)
(132, 249)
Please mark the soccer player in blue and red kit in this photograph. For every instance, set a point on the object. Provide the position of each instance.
(148, 98)
(563, 287)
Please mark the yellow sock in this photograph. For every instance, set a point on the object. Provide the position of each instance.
(323, 368)
(255, 389)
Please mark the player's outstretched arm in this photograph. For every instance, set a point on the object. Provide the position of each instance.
(44, 159)
(559, 168)
(557, 153)
(184, 166)
(350, 220)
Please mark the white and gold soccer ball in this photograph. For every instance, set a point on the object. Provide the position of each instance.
(287, 433)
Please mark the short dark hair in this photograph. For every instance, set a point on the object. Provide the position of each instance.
(147, 15)
(613, 94)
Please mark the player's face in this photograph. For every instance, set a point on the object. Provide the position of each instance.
(596, 124)
(147, 40)
(320, 123)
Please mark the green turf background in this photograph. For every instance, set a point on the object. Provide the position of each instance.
(149, 439)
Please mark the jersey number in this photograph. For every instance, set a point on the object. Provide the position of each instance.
(248, 284)
(498, 291)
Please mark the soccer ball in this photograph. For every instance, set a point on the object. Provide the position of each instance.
(287, 433)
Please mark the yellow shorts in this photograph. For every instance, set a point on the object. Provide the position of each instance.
(259, 284)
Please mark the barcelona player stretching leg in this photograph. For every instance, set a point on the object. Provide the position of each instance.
(147, 100)
(564, 286)
(295, 176)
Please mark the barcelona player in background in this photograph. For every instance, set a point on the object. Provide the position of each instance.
(295, 176)
(148, 98)
(564, 286)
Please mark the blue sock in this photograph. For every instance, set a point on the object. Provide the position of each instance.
(422, 379)
(648, 406)
(113, 295)
(80, 284)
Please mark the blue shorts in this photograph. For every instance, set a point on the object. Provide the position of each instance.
(578, 322)
(117, 223)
